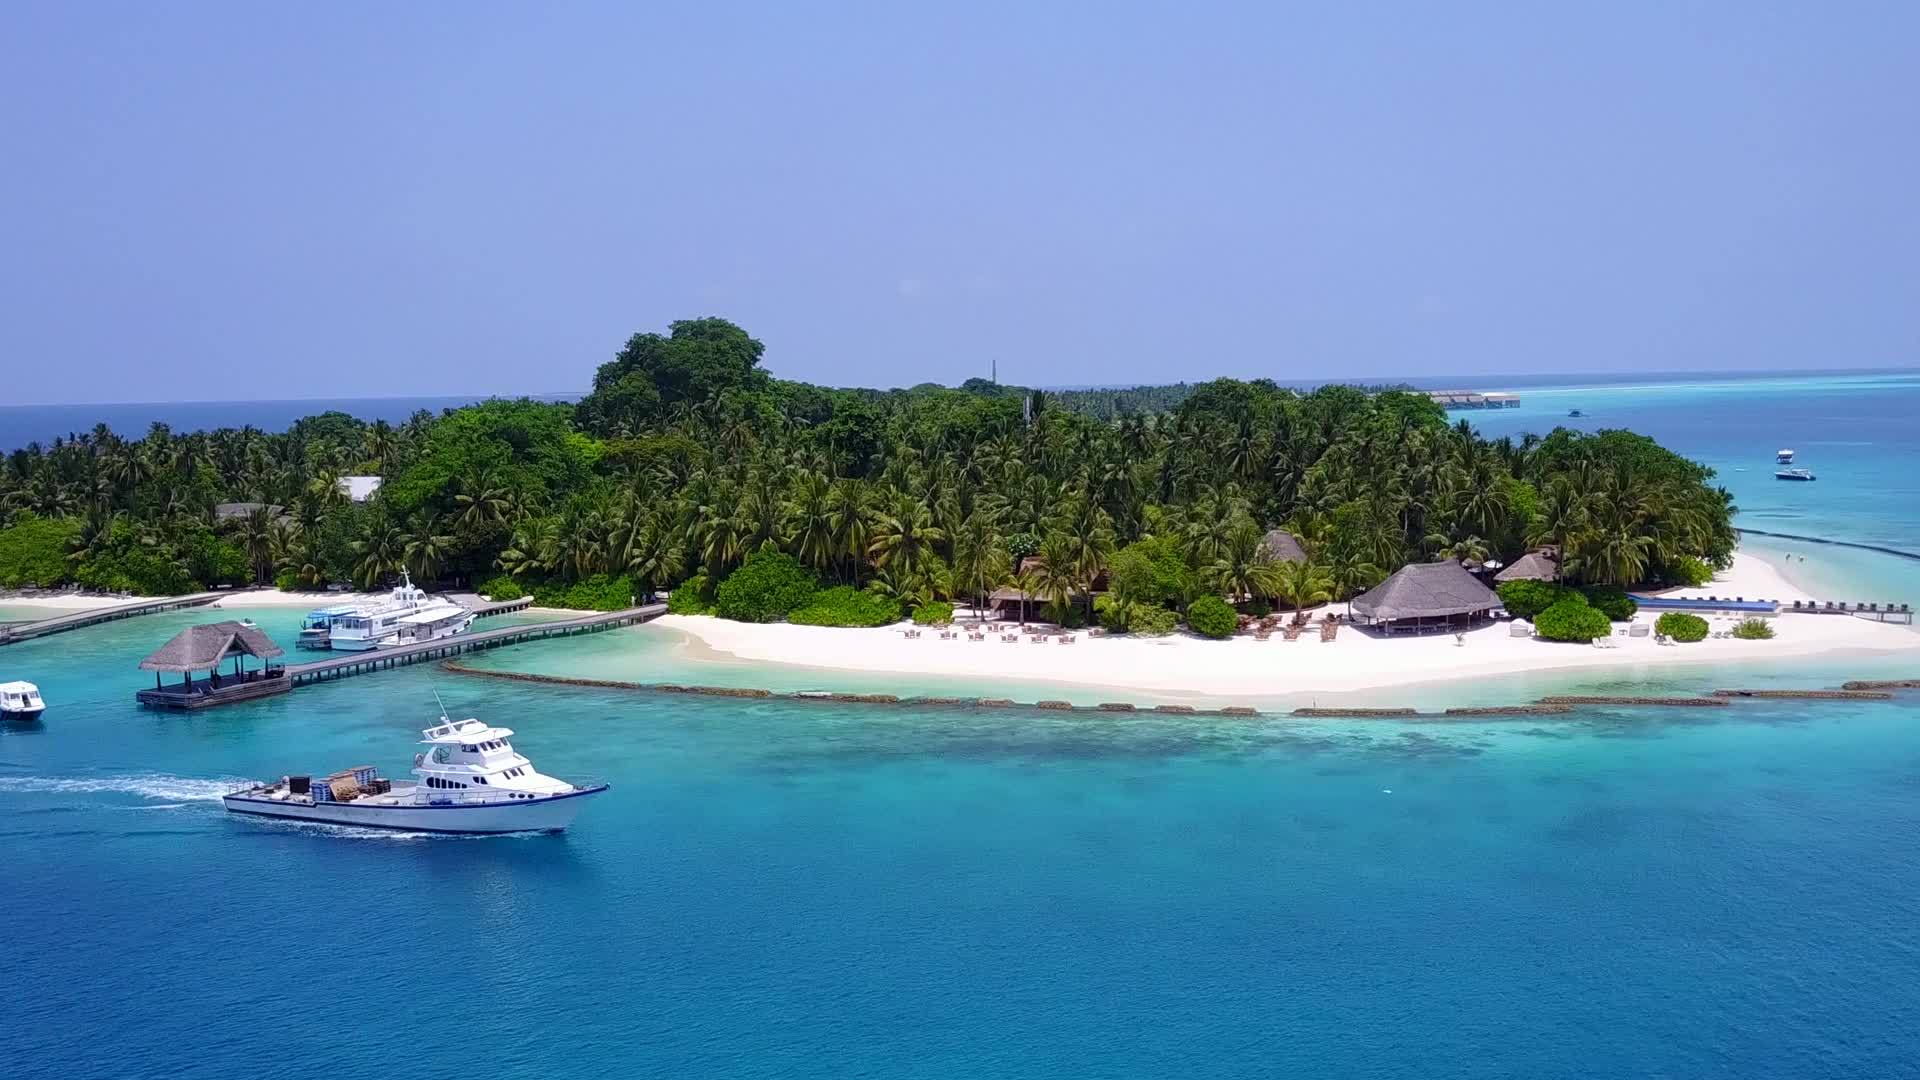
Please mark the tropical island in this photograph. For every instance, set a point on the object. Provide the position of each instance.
(1201, 509)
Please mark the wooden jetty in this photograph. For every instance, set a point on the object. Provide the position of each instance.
(206, 647)
(75, 620)
(481, 607)
(360, 663)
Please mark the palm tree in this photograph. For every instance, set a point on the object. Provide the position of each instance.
(810, 523)
(1052, 576)
(904, 535)
(426, 546)
(1302, 583)
(256, 539)
(980, 557)
(480, 499)
(382, 551)
(1243, 569)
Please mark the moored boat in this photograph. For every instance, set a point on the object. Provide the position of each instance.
(316, 630)
(406, 616)
(20, 701)
(471, 780)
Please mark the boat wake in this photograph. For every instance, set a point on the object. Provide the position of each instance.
(174, 789)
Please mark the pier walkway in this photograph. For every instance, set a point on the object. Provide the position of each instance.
(75, 620)
(360, 663)
(482, 607)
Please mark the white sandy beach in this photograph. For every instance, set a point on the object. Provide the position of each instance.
(1353, 661)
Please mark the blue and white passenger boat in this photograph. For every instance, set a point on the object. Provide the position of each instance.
(470, 780)
(316, 630)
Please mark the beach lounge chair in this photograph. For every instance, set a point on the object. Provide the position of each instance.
(976, 636)
(1039, 639)
(1009, 637)
(1066, 639)
(1262, 634)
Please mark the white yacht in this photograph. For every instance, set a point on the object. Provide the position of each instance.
(471, 780)
(1783, 457)
(20, 701)
(408, 615)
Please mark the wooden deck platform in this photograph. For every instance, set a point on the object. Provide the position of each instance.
(75, 620)
(203, 694)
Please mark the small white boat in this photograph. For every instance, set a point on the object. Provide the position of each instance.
(408, 615)
(20, 701)
(1783, 457)
(1793, 474)
(471, 780)
(316, 630)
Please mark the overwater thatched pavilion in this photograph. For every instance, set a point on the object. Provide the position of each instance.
(1425, 596)
(207, 648)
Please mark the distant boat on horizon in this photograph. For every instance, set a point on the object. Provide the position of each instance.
(1793, 474)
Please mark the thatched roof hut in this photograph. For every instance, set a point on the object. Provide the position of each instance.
(205, 647)
(1425, 591)
(1533, 566)
(1282, 546)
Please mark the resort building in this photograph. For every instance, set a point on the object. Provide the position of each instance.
(1282, 546)
(1425, 596)
(359, 488)
(1541, 565)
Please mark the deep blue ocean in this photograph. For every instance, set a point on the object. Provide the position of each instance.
(799, 889)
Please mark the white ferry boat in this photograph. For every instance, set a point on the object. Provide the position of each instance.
(1783, 457)
(408, 615)
(470, 781)
(20, 701)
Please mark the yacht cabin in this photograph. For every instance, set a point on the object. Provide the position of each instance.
(470, 760)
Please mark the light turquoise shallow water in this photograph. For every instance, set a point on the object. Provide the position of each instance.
(799, 889)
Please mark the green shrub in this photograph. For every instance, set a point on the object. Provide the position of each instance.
(1612, 600)
(1572, 619)
(34, 551)
(1753, 630)
(1212, 617)
(502, 588)
(1152, 620)
(933, 613)
(1681, 626)
(842, 605)
(1687, 570)
(693, 596)
(287, 580)
(1527, 599)
(600, 592)
(764, 588)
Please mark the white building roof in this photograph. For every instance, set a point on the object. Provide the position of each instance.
(359, 488)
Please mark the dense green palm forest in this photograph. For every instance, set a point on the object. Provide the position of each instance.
(687, 459)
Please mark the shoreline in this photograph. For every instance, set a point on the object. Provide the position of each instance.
(1354, 663)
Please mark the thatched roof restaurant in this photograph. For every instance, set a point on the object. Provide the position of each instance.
(1425, 596)
(1533, 566)
(1282, 546)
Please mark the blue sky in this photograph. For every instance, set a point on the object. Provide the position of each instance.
(216, 200)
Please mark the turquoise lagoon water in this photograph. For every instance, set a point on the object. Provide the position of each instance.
(797, 889)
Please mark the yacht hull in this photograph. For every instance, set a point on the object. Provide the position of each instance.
(550, 813)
